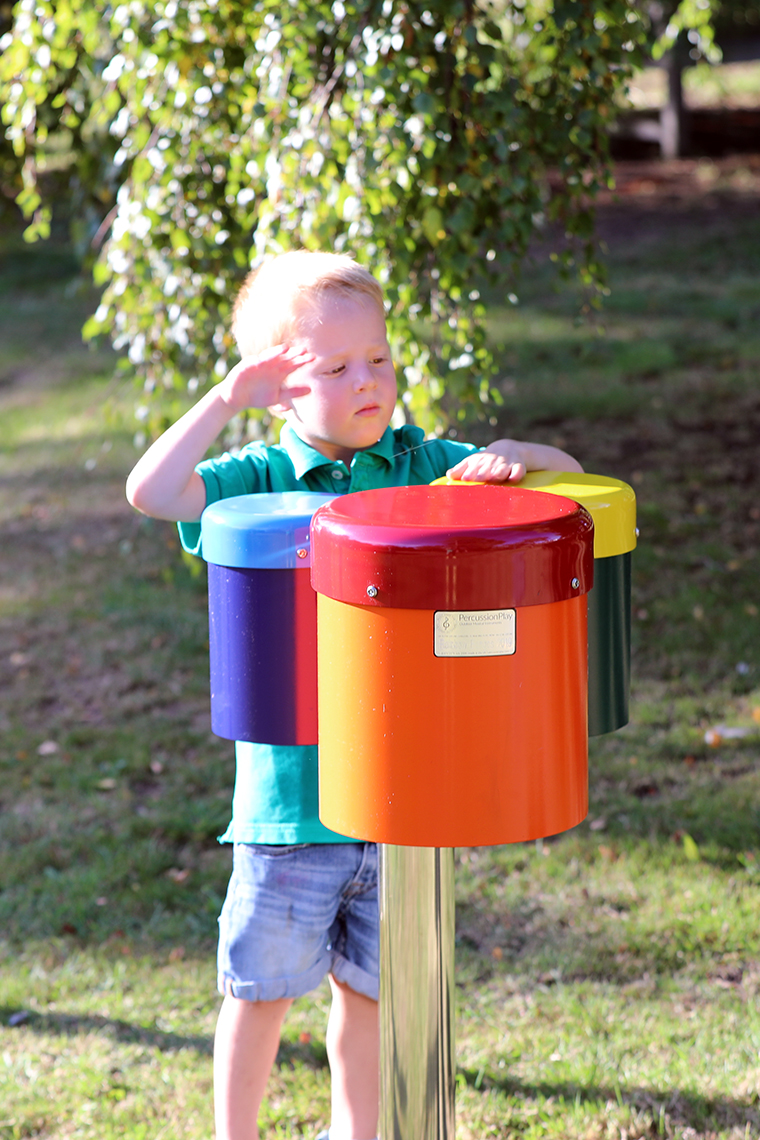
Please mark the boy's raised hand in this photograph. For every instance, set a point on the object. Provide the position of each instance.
(261, 381)
(164, 482)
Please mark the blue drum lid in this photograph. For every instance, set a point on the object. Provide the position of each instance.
(264, 532)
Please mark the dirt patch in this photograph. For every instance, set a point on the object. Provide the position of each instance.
(662, 183)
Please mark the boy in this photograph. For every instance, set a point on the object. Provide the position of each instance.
(302, 901)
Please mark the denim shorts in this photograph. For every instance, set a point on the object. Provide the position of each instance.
(293, 914)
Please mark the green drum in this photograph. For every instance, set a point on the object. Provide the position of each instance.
(612, 505)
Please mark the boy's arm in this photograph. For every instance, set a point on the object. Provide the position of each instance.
(508, 461)
(164, 483)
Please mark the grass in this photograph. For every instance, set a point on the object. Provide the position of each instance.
(607, 979)
(705, 85)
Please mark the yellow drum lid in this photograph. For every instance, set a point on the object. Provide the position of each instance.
(610, 502)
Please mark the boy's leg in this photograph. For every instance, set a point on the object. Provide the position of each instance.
(353, 1049)
(282, 928)
(245, 1047)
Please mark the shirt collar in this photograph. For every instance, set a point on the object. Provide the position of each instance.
(305, 458)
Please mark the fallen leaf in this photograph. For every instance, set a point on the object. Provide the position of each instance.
(720, 732)
(47, 748)
(497, 953)
(607, 853)
(598, 824)
(178, 874)
(645, 787)
(176, 954)
(106, 785)
(729, 976)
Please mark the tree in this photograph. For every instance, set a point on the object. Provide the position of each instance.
(416, 133)
(684, 33)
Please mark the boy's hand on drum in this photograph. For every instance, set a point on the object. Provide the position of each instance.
(508, 460)
(486, 467)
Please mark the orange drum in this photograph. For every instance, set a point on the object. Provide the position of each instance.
(452, 660)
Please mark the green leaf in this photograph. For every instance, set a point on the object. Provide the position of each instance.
(432, 225)
(424, 103)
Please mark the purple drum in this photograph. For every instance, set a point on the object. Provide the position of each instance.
(262, 617)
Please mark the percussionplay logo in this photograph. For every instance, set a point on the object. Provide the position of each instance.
(474, 633)
(452, 620)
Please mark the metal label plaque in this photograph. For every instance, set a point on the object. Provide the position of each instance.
(473, 633)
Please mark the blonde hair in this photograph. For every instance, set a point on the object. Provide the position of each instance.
(275, 297)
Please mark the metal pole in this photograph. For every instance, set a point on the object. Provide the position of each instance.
(417, 1064)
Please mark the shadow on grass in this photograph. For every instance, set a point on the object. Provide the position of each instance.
(683, 1108)
(123, 1032)
(312, 1054)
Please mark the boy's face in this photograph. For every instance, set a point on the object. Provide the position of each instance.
(351, 381)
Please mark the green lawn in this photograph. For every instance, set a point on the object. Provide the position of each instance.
(607, 980)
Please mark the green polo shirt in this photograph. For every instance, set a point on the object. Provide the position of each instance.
(276, 795)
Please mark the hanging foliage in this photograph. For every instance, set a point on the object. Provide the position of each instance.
(202, 135)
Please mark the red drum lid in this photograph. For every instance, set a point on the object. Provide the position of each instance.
(434, 548)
